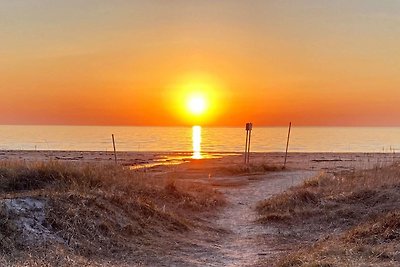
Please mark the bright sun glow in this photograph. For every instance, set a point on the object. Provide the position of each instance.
(196, 99)
(197, 105)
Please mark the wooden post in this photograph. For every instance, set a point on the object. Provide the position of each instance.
(287, 144)
(248, 147)
(115, 152)
(249, 127)
(245, 148)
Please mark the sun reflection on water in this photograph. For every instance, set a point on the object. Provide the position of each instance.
(196, 137)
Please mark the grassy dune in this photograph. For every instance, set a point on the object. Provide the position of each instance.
(58, 214)
(347, 219)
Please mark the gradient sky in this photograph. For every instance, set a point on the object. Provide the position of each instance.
(270, 62)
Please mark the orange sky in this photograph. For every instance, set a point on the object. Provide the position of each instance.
(269, 62)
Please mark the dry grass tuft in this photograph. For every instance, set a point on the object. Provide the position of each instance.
(239, 169)
(201, 196)
(287, 206)
(97, 212)
(372, 243)
(355, 217)
(8, 232)
(381, 230)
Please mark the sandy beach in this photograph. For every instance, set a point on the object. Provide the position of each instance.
(157, 161)
(228, 235)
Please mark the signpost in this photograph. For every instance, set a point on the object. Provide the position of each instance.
(249, 127)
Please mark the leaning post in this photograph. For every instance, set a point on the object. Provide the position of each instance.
(115, 152)
(287, 144)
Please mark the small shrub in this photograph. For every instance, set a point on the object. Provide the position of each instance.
(8, 232)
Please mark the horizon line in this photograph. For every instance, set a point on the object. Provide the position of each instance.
(206, 126)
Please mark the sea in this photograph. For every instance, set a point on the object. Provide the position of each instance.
(199, 139)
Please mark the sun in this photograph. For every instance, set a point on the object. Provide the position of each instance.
(196, 104)
(196, 99)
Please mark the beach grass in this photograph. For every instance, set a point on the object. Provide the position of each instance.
(345, 219)
(93, 212)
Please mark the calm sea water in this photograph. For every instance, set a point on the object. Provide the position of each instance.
(163, 139)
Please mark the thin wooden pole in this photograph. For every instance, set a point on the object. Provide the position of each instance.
(245, 149)
(287, 144)
(115, 152)
(248, 148)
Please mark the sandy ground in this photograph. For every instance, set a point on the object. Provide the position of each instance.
(242, 246)
(300, 161)
(246, 242)
(242, 241)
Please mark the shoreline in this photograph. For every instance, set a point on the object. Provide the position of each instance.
(322, 161)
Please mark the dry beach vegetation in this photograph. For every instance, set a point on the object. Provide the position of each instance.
(63, 214)
(209, 212)
(344, 219)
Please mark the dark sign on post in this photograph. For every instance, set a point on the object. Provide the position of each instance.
(249, 126)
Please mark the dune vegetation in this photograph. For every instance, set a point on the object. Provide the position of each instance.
(344, 219)
(80, 214)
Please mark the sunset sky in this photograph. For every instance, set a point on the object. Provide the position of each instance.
(138, 62)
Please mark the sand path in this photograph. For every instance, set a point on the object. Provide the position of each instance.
(241, 247)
